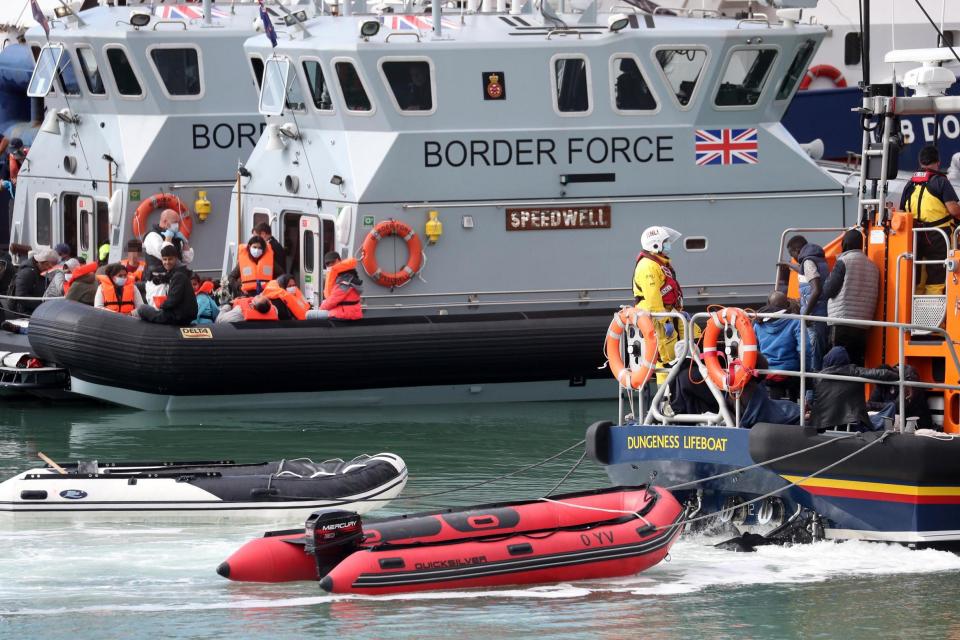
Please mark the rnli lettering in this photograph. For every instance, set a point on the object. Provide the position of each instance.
(589, 217)
(227, 135)
(696, 443)
(523, 152)
(450, 564)
(192, 333)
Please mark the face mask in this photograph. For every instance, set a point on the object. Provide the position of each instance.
(174, 227)
(119, 281)
(292, 289)
(68, 277)
(666, 247)
(256, 252)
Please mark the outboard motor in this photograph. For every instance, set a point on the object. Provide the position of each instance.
(331, 536)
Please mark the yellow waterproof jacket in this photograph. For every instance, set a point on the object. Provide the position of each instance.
(648, 281)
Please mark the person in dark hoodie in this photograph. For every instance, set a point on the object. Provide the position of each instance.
(29, 280)
(917, 405)
(812, 269)
(180, 306)
(843, 402)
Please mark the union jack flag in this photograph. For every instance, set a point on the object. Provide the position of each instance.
(726, 146)
(416, 23)
(187, 12)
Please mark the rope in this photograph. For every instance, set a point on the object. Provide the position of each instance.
(759, 464)
(626, 512)
(781, 489)
(567, 474)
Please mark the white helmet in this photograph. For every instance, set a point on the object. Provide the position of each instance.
(654, 239)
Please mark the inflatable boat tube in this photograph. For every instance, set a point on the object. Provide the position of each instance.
(128, 361)
(598, 534)
(208, 491)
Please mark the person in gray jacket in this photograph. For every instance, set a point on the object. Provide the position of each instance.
(851, 290)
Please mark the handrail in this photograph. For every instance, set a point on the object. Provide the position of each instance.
(763, 21)
(783, 238)
(402, 33)
(946, 241)
(565, 32)
(160, 22)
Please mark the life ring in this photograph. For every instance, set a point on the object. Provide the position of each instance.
(369, 253)
(161, 201)
(738, 334)
(643, 322)
(823, 71)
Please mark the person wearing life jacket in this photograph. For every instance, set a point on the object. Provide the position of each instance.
(932, 200)
(207, 309)
(179, 307)
(250, 309)
(80, 285)
(167, 230)
(279, 255)
(342, 290)
(254, 267)
(655, 288)
(117, 292)
(287, 298)
(812, 271)
(15, 158)
(134, 263)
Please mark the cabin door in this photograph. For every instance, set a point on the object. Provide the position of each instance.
(310, 259)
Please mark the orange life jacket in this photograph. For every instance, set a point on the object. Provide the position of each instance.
(249, 313)
(295, 301)
(136, 274)
(205, 288)
(125, 304)
(79, 272)
(13, 163)
(349, 264)
(255, 272)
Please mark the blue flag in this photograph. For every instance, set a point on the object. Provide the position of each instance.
(39, 17)
(267, 25)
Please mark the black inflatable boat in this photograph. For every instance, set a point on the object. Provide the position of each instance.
(452, 358)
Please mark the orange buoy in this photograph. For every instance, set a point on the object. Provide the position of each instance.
(368, 256)
(738, 333)
(161, 201)
(643, 322)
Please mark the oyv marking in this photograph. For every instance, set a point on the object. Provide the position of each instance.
(73, 494)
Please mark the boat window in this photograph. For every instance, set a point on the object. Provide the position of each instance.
(307, 251)
(260, 217)
(103, 223)
(257, 65)
(84, 231)
(797, 68)
(44, 219)
(354, 94)
(91, 71)
(682, 68)
(179, 69)
(572, 85)
(123, 74)
(276, 74)
(329, 236)
(745, 76)
(317, 85)
(852, 48)
(630, 88)
(67, 77)
(410, 83)
(42, 80)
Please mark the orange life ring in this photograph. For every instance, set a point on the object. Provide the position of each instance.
(823, 71)
(738, 333)
(369, 253)
(161, 201)
(643, 322)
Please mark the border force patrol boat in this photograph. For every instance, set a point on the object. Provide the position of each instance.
(800, 482)
(493, 173)
(148, 108)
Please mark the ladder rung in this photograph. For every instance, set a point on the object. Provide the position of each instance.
(874, 152)
(872, 201)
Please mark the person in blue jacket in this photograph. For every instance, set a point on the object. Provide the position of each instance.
(207, 309)
(779, 338)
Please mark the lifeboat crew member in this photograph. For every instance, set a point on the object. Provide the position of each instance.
(655, 288)
(134, 263)
(254, 267)
(207, 309)
(287, 298)
(255, 309)
(166, 231)
(117, 291)
(812, 270)
(179, 308)
(279, 255)
(342, 290)
(932, 200)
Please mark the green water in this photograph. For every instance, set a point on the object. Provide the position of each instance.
(114, 581)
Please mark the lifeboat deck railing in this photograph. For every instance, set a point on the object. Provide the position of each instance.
(649, 410)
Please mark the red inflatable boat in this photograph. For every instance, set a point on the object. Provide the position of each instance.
(597, 534)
